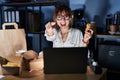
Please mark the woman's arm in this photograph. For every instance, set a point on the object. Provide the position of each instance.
(50, 31)
(87, 36)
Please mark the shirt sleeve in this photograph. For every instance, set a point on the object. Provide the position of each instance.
(80, 40)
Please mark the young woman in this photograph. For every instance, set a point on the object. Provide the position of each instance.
(61, 33)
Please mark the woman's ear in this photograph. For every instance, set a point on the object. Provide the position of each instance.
(72, 16)
(71, 21)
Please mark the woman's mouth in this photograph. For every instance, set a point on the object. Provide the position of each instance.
(62, 25)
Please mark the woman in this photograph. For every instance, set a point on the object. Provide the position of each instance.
(61, 33)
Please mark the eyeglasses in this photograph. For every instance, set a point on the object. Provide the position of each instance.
(60, 17)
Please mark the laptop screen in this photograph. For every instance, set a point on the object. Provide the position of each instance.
(65, 60)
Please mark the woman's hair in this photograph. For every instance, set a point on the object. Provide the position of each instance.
(63, 8)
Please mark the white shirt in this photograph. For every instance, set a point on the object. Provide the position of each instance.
(74, 38)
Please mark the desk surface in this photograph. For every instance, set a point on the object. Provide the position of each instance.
(107, 36)
(39, 75)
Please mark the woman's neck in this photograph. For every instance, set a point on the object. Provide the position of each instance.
(64, 34)
(64, 31)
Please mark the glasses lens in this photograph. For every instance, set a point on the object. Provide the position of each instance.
(62, 17)
(66, 17)
(59, 17)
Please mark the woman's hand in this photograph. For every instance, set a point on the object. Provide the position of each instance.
(88, 34)
(50, 28)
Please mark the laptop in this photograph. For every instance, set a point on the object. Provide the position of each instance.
(65, 60)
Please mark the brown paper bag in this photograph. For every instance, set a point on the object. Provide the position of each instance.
(12, 40)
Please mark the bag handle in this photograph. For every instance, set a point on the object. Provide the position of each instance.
(9, 24)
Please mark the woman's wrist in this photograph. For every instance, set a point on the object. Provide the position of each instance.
(86, 42)
(49, 33)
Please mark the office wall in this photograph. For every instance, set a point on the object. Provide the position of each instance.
(94, 10)
(98, 8)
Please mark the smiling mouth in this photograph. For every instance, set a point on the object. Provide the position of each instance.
(62, 24)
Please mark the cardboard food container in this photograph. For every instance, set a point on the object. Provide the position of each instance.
(10, 68)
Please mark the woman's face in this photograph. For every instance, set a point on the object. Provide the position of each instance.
(63, 20)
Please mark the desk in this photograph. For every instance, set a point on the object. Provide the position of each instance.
(90, 75)
(105, 39)
(100, 38)
(108, 48)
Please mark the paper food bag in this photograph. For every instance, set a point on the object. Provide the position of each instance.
(12, 40)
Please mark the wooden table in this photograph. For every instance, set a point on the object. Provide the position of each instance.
(39, 75)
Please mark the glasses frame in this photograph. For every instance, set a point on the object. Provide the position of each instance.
(61, 17)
